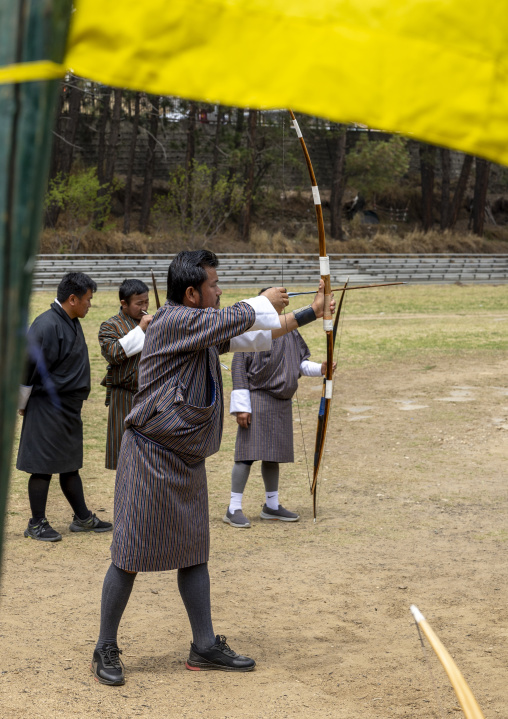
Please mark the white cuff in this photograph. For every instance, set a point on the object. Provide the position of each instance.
(133, 341)
(24, 395)
(267, 317)
(240, 401)
(310, 369)
(258, 341)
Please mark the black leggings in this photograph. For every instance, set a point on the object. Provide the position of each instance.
(72, 487)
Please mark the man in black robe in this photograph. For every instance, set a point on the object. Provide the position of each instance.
(57, 381)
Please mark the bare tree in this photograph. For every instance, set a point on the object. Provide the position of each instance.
(481, 187)
(65, 141)
(460, 191)
(250, 172)
(234, 162)
(427, 158)
(146, 199)
(445, 188)
(107, 156)
(74, 95)
(338, 186)
(190, 156)
(113, 136)
(215, 155)
(130, 167)
(104, 112)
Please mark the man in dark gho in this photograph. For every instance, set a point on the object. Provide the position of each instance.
(161, 498)
(56, 383)
(121, 339)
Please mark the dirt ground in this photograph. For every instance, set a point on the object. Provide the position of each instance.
(412, 509)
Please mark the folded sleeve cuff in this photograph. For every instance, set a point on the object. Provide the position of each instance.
(310, 369)
(240, 401)
(133, 341)
(24, 396)
(258, 341)
(266, 315)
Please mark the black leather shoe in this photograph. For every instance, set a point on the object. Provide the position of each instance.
(107, 667)
(220, 656)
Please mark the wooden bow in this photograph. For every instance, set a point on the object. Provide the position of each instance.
(154, 283)
(328, 324)
(464, 694)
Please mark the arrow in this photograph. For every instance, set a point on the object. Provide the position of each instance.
(346, 289)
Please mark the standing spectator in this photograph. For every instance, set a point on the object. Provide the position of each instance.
(57, 381)
(121, 339)
(263, 387)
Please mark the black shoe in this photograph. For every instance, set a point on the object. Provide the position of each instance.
(107, 667)
(220, 656)
(91, 524)
(43, 531)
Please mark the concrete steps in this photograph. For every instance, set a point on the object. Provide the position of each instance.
(276, 269)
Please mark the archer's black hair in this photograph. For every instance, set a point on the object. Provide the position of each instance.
(188, 269)
(74, 283)
(131, 287)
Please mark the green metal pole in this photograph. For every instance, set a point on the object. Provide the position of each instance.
(30, 30)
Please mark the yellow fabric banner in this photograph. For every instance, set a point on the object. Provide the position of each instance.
(31, 72)
(434, 69)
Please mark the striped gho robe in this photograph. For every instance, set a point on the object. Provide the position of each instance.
(161, 499)
(121, 380)
(263, 385)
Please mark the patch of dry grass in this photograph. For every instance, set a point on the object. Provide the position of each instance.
(362, 239)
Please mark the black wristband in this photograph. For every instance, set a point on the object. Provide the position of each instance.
(304, 316)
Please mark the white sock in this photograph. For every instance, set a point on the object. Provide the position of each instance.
(235, 501)
(272, 500)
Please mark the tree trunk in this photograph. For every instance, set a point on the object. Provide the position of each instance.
(130, 168)
(104, 108)
(245, 217)
(427, 155)
(150, 163)
(54, 167)
(63, 149)
(113, 136)
(481, 187)
(190, 155)
(460, 191)
(234, 162)
(215, 155)
(445, 188)
(338, 187)
(107, 161)
(75, 95)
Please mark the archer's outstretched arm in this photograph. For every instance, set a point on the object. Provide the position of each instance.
(302, 317)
